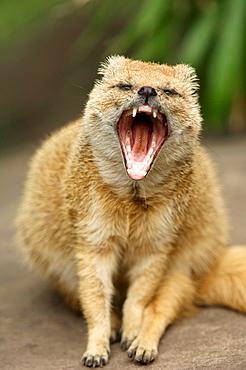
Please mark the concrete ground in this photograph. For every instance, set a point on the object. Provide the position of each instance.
(39, 332)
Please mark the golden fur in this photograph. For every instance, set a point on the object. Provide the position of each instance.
(135, 255)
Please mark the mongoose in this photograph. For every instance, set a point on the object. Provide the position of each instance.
(123, 213)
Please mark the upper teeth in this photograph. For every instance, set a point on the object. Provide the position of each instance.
(145, 109)
(134, 112)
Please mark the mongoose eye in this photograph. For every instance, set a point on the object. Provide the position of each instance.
(170, 92)
(124, 87)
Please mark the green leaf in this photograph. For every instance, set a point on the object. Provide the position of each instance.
(18, 15)
(225, 65)
(199, 36)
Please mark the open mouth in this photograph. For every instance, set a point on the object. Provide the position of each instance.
(142, 130)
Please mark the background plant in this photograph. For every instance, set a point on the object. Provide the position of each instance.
(49, 47)
(209, 35)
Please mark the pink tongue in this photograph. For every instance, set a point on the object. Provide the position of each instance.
(141, 132)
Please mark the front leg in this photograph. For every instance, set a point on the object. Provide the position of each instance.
(176, 294)
(95, 270)
(145, 277)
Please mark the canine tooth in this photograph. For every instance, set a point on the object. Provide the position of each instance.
(154, 114)
(134, 112)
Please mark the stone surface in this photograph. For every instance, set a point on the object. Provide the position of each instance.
(39, 332)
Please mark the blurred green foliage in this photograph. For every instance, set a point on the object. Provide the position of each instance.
(18, 16)
(207, 34)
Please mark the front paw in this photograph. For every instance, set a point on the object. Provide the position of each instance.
(130, 331)
(142, 352)
(125, 343)
(128, 336)
(90, 359)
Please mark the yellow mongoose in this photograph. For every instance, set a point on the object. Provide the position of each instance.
(123, 213)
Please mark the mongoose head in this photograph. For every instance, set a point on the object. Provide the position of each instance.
(144, 113)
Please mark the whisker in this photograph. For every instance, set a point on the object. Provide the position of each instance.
(213, 151)
(52, 136)
(80, 87)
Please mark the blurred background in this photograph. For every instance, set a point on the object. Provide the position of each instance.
(49, 54)
(50, 51)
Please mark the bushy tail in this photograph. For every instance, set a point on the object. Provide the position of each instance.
(226, 284)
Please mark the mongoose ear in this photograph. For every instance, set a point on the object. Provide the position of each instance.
(185, 72)
(188, 74)
(111, 65)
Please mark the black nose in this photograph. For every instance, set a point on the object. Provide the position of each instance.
(147, 91)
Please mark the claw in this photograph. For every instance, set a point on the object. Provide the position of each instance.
(94, 361)
(97, 361)
(142, 355)
(139, 359)
(132, 353)
(152, 357)
(102, 362)
(125, 345)
(89, 362)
